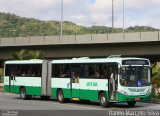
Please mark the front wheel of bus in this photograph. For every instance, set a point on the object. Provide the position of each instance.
(131, 104)
(23, 94)
(103, 100)
(60, 96)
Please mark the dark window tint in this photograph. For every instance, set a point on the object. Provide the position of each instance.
(31, 70)
(65, 71)
(10, 69)
(55, 70)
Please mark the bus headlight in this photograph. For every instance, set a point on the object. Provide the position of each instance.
(123, 92)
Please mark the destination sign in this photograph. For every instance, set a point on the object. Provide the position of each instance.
(135, 62)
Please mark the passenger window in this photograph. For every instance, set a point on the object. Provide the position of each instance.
(56, 70)
(65, 71)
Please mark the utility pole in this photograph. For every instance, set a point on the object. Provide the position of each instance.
(112, 16)
(123, 17)
(93, 27)
(61, 19)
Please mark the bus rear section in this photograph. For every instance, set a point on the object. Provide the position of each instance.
(28, 78)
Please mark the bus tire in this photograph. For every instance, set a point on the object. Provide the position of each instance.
(131, 103)
(60, 96)
(103, 100)
(23, 93)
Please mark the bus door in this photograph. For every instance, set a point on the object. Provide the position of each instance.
(75, 73)
(74, 88)
(12, 78)
(113, 83)
(11, 83)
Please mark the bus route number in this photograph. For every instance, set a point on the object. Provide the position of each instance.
(91, 84)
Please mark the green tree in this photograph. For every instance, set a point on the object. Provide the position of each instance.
(20, 55)
(155, 78)
(35, 54)
(28, 54)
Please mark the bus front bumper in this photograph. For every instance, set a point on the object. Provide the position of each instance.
(125, 98)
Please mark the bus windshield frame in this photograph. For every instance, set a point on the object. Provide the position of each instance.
(135, 76)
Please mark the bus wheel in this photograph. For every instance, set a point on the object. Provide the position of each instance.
(131, 103)
(23, 94)
(60, 96)
(103, 100)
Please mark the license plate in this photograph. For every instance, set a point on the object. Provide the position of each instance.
(137, 99)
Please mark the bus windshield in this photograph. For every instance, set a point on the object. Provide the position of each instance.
(135, 76)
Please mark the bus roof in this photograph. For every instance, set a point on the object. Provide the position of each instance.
(96, 60)
(32, 61)
(78, 60)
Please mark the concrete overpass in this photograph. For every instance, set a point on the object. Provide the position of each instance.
(142, 44)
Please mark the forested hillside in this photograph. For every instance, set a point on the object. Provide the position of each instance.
(14, 26)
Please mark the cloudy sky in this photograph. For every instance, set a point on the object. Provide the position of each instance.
(88, 12)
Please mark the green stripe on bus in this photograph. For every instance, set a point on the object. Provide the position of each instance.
(82, 94)
(29, 90)
(76, 93)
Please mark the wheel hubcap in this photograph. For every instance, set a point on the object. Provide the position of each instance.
(60, 97)
(22, 94)
(103, 100)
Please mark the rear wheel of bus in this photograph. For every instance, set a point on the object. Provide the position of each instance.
(103, 100)
(23, 93)
(60, 96)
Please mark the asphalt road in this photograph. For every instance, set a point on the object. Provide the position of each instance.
(11, 104)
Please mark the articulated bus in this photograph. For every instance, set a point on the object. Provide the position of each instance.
(106, 80)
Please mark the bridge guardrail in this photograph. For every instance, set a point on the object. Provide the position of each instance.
(80, 39)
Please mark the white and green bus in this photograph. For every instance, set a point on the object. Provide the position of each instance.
(107, 80)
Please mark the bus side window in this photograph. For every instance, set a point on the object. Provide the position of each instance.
(92, 70)
(18, 73)
(76, 72)
(65, 71)
(105, 72)
(10, 70)
(7, 71)
(56, 70)
(85, 71)
(36, 70)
